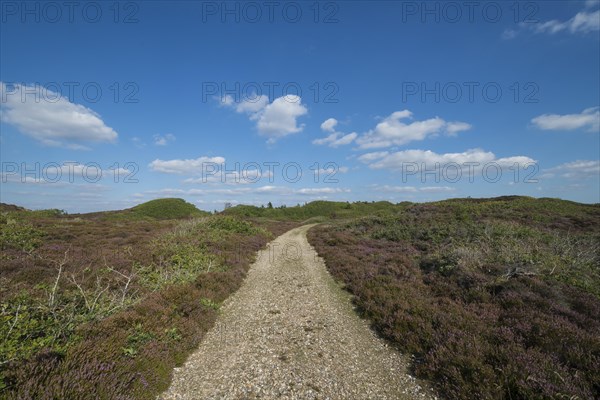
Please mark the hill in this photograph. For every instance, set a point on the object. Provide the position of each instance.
(316, 209)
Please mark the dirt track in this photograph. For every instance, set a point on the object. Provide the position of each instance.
(290, 333)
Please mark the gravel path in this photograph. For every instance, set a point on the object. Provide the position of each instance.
(291, 333)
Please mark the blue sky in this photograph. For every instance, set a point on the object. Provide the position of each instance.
(109, 104)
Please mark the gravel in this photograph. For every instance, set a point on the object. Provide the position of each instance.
(290, 332)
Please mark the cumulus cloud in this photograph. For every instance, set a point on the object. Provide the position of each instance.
(334, 139)
(428, 160)
(394, 130)
(186, 166)
(329, 125)
(588, 119)
(51, 119)
(160, 140)
(273, 120)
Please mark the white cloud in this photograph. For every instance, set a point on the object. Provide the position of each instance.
(393, 131)
(225, 101)
(334, 139)
(243, 176)
(437, 189)
(253, 105)
(588, 118)
(412, 189)
(452, 128)
(332, 169)
(320, 191)
(580, 169)
(592, 3)
(65, 173)
(279, 118)
(583, 22)
(329, 125)
(160, 140)
(52, 119)
(368, 157)
(273, 120)
(188, 166)
(428, 160)
(245, 191)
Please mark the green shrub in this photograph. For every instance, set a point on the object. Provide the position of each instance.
(19, 235)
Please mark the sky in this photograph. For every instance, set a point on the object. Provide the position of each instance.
(108, 104)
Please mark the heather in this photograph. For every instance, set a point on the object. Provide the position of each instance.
(105, 305)
(493, 298)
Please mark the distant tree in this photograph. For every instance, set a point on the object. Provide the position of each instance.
(270, 205)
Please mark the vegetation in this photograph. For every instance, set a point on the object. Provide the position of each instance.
(496, 299)
(314, 211)
(166, 209)
(104, 305)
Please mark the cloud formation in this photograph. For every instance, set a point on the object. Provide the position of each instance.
(51, 119)
(583, 22)
(160, 140)
(273, 120)
(580, 169)
(395, 130)
(588, 119)
(334, 139)
(428, 160)
(186, 166)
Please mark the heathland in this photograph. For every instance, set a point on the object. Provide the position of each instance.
(491, 298)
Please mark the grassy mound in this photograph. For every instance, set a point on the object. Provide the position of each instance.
(166, 209)
(324, 209)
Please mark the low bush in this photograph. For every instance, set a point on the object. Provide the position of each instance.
(496, 299)
(114, 324)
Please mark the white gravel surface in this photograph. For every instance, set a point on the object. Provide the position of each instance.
(291, 333)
